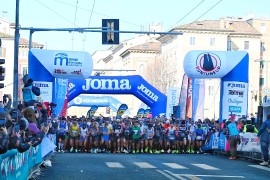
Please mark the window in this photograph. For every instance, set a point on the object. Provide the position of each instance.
(24, 70)
(246, 45)
(263, 28)
(192, 41)
(210, 90)
(229, 45)
(212, 41)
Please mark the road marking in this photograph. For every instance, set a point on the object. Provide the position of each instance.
(144, 165)
(166, 175)
(178, 176)
(174, 166)
(261, 167)
(114, 165)
(196, 176)
(205, 166)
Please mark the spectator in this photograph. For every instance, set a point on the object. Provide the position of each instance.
(233, 136)
(249, 127)
(30, 93)
(4, 140)
(264, 139)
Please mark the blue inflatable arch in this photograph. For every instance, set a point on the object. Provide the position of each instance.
(135, 85)
(99, 101)
(232, 67)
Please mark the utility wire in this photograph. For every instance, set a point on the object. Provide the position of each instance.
(187, 14)
(67, 20)
(94, 12)
(74, 24)
(91, 14)
(203, 14)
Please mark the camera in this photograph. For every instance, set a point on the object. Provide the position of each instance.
(16, 128)
(14, 115)
(2, 123)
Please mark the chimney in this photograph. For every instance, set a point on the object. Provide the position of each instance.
(222, 23)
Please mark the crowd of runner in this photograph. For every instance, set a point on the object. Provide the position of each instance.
(132, 135)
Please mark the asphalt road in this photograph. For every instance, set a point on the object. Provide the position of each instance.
(147, 167)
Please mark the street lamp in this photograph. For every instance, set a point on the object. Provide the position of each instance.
(261, 78)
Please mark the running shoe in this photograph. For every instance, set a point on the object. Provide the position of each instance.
(71, 149)
(150, 151)
(76, 150)
(146, 149)
(59, 150)
(162, 151)
(137, 151)
(264, 163)
(169, 151)
(133, 151)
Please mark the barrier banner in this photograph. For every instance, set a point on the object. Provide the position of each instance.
(140, 113)
(34, 156)
(46, 146)
(249, 142)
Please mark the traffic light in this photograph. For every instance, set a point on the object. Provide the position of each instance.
(110, 37)
(2, 73)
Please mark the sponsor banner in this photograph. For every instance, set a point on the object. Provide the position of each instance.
(172, 100)
(189, 99)
(15, 165)
(45, 90)
(121, 110)
(183, 97)
(211, 64)
(135, 85)
(65, 64)
(140, 113)
(198, 94)
(235, 98)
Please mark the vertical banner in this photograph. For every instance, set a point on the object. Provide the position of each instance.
(121, 110)
(235, 96)
(172, 100)
(183, 97)
(189, 99)
(61, 87)
(45, 91)
(140, 113)
(198, 94)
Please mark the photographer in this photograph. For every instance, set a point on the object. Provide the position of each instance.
(6, 104)
(30, 93)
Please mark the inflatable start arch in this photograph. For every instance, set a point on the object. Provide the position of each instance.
(232, 68)
(135, 85)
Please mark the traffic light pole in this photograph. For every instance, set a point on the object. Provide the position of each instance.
(16, 55)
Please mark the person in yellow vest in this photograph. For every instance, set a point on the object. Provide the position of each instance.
(248, 127)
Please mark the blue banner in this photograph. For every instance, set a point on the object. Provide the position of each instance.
(135, 85)
(15, 165)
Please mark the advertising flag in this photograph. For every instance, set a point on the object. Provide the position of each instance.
(140, 113)
(189, 99)
(92, 111)
(121, 110)
(183, 98)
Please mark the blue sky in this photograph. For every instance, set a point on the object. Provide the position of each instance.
(133, 16)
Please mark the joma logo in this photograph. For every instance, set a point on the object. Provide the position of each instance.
(148, 92)
(106, 84)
